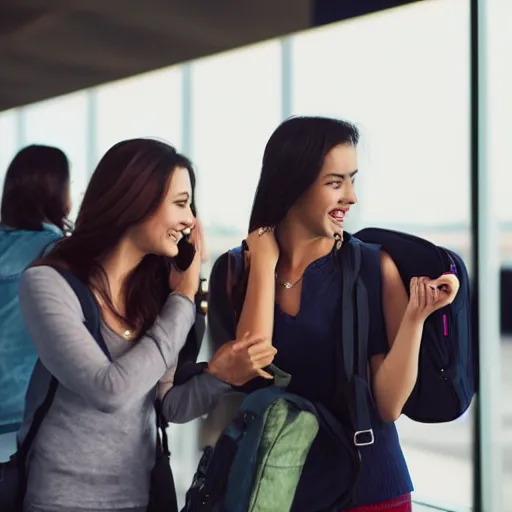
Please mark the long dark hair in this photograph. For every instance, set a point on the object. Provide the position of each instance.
(36, 189)
(128, 185)
(292, 161)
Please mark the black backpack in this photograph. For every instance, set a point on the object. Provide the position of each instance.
(447, 372)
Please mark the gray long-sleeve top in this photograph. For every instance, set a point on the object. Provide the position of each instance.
(96, 446)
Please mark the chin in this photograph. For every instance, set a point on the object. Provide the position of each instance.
(169, 252)
(335, 229)
(173, 253)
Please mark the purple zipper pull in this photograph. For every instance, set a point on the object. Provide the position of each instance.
(445, 325)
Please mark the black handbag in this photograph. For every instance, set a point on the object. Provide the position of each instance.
(162, 494)
(13, 478)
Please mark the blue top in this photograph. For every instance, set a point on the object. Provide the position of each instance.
(18, 249)
(306, 350)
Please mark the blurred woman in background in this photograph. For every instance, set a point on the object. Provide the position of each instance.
(34, 210)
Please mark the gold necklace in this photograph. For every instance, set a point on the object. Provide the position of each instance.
(127, 334)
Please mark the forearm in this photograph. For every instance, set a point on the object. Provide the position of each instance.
(194, 398)
(257, 315)
(396, 377)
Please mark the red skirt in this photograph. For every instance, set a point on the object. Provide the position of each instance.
(400, 504)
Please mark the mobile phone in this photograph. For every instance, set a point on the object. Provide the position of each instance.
(186, 254)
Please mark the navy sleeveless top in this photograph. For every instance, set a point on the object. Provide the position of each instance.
(306, 349)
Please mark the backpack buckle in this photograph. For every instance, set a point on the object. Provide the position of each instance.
(364, 437)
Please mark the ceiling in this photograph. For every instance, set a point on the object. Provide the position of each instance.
(52, 47)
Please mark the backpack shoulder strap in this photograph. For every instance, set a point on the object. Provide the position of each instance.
(355, 318)
(92, 322)
(37, 421)
(89, 307)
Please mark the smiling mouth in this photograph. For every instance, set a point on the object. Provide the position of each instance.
(337, 215)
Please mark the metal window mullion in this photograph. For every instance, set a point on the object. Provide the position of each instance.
(485, 251)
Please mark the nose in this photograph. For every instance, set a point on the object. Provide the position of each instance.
(189, 221)
(349, 194)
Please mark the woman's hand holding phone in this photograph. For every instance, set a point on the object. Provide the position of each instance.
(185, 281)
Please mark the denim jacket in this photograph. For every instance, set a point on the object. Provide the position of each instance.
(18, 249)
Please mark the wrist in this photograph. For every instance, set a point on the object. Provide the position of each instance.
(214, 372)
(263, 262)
(413, 318)
(187, 293)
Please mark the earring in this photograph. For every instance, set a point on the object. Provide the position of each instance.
(339, 241)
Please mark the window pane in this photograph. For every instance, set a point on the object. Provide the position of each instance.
(403, 77)
(233, 115)
(8, 141)
(62, 122)
(411, 102)
(147, 105)
(500, 109)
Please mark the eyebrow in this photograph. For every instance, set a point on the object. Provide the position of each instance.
(341, 176)
(186, 194)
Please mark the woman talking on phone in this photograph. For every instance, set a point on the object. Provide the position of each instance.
(95, 449)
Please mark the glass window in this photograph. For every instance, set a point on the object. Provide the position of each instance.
(235, 107)
(411, 102)
(147, 105)
(62, 122)
(403, 77)
(233, 114)
(500, 112)
(8, 140)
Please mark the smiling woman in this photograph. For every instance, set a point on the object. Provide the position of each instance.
(129, 233)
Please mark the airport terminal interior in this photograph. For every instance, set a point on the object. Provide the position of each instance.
(427, 83)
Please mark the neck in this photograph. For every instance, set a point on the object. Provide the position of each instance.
(298, 248)
(118, 264)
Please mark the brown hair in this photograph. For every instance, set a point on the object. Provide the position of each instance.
(128, 185)
(36, 189)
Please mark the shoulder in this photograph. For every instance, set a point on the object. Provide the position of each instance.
(48, 240)
(391, 277)
(377, 258)
(379, 272)
(43, 237)
(43, 283)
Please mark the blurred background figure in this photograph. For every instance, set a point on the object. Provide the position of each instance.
(34, 209)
